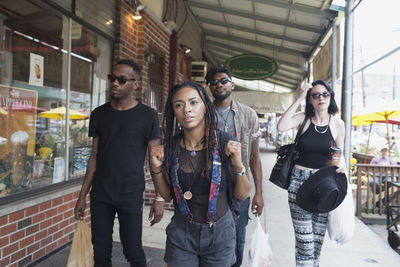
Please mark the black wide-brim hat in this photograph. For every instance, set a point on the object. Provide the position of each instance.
(323, 191)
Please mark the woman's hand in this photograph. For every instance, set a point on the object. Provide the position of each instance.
(160, 180)
(290, 119)
(341, 170)
(156, 157)
(234, 150)
(302, 91)
(242, 184)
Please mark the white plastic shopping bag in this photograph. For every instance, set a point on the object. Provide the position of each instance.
(260, 253)
(341, 220)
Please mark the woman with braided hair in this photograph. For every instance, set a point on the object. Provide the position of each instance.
(200, 168)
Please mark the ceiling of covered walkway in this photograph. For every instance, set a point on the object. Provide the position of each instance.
(289, 31)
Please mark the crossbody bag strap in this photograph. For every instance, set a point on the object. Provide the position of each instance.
(300, 130)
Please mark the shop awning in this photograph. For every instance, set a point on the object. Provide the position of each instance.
(287, 31)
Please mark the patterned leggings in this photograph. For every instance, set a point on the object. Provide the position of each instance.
(309, 227)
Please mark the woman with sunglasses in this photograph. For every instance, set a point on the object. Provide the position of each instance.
(321, 131)
(201, 169)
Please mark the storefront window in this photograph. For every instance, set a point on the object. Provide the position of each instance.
(34, 83)
(89, 69)
(156, 74)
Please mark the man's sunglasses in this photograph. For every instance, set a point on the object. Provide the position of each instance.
(318, 95)
(121, 80)
(222, 81)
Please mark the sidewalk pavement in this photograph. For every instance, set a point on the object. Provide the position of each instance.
(365, 249)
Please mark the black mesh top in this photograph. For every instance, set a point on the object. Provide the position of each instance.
(189, 176)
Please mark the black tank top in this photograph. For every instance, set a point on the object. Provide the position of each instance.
(314, 147)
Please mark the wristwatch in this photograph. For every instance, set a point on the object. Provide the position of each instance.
(242, 172)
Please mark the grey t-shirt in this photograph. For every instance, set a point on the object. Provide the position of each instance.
(226, 121)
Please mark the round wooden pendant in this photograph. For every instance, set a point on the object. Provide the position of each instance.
(188, 195)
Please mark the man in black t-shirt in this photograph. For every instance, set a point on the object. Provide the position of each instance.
(122, 130)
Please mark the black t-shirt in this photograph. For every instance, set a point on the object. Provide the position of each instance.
(123, 138)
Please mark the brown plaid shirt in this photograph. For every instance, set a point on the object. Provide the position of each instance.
(247, 130)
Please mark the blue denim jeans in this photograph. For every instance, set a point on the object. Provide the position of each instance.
(198, 244)
(241, 231)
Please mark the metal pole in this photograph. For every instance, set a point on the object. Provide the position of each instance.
(334, 55)
(347, 78)
(68, 100)
(394, 83)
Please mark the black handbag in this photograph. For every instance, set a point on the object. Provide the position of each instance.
(287, 155)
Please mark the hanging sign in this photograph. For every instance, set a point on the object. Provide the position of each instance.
(36, 70)
(252, 66)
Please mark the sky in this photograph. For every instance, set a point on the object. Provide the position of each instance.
(376, 32)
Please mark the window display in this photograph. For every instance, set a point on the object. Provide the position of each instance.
(17, 146)
(34, 87)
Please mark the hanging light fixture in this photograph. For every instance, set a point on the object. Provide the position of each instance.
(137, 15)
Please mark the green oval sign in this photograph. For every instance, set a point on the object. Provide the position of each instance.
(252, 66)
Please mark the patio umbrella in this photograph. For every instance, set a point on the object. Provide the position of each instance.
(355, 121)
(60, 113)
(383, 115)
(394, 121)
(380, 114)
(3, 112)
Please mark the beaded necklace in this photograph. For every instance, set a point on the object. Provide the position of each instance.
(193, 152)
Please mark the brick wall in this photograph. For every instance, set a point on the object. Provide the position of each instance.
(135, 37)
(155, 37)
(151, 35)
(35, 231)
(133, 40)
